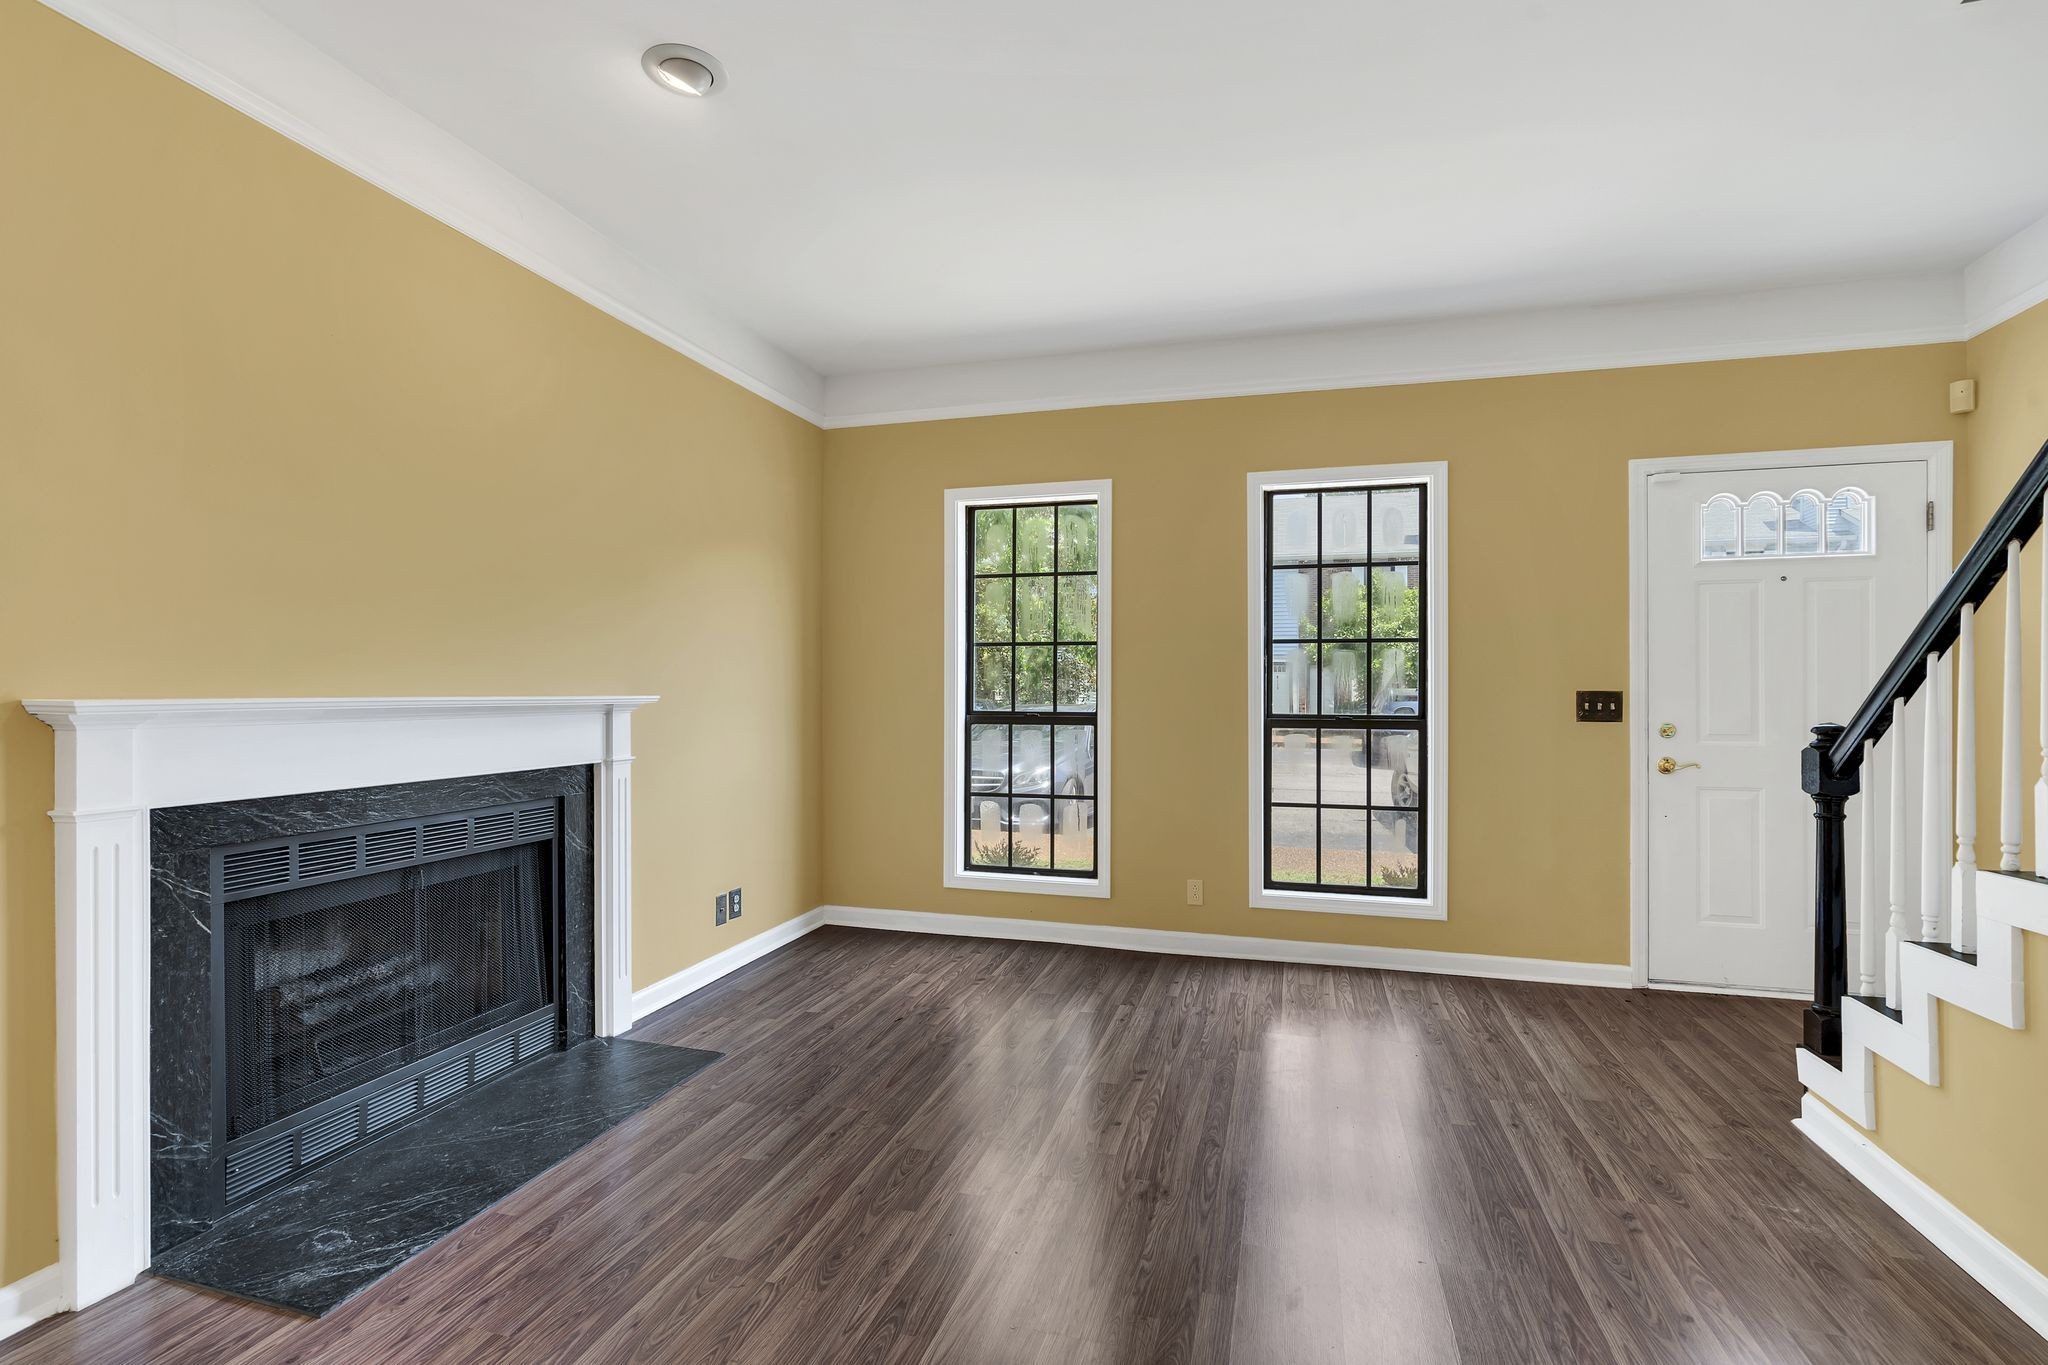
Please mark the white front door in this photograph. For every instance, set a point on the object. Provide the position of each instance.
(1774, 597)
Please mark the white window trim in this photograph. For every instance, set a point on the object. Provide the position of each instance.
(1436, 474)
(958, 500)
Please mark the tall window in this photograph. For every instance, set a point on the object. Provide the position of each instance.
(1026, 774)
(1346, 728)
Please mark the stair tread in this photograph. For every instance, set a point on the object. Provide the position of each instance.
(2024, 874)
(1877, 1003)
(1946, 950)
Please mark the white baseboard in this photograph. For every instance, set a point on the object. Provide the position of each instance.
(1614, 974)
(1746, 992)
(29, 1300)
(667, 991)
(1985, 1259)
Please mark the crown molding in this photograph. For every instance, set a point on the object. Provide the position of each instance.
(1904, 310)
(249, 61)
(2008, 279)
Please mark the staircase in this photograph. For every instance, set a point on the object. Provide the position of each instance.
(1956, 936)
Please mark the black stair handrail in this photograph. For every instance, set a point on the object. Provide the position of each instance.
(2017, 518)
(1830, 768)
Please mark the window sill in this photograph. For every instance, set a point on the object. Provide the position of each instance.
(1390, 907)
(1096, 887)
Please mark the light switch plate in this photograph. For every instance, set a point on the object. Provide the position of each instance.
(1600, 706)
(719, 915)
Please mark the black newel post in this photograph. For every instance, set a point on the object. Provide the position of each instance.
(1830, 792)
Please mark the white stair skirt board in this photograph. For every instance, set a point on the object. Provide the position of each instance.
(1983, 1257)
(689, 980)
(1614, 974)
(30, 1299)
(1993, 987)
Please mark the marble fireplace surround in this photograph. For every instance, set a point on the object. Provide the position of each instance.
(116, 761)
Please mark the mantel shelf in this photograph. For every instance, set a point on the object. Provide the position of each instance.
(79, 713)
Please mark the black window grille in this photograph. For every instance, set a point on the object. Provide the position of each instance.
(1032, 603)
(1347, 696)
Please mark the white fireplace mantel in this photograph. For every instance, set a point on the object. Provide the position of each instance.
(118, 760)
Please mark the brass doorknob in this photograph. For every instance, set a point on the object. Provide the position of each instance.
(1668, 765)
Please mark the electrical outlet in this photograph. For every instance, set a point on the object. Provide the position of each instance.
(718, 915)
(1194, 891)
(735, 898)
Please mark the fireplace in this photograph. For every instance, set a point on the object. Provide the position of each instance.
(139, 785)
(368, 974)
(326, 967)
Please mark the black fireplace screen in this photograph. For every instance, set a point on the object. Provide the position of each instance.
(369, 974)
(337, 984)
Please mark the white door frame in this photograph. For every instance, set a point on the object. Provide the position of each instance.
(1938, 456)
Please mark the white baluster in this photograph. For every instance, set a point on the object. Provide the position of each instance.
(1869, 918)
(1895, 882)
(1963, 888)
(1934, 848)
(1947, 770)
(2041, 784)
(2009, 735)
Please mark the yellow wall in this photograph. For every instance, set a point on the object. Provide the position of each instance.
(1977, 1136)
(267, 430)
(1539, 597)
(2010, 364)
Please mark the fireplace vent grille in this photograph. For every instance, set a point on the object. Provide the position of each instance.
(321, 858)
(385, 846)
(258, 869)
(328, 1133)
(443, 836)
(328, 1136)
(255, 868)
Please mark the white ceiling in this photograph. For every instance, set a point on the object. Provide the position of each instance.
(896, 185)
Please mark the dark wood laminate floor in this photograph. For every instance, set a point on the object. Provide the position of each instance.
(942, 1150)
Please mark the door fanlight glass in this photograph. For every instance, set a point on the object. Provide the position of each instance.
(1766, 526)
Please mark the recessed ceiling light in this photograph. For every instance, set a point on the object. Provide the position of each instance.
(683, 69)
